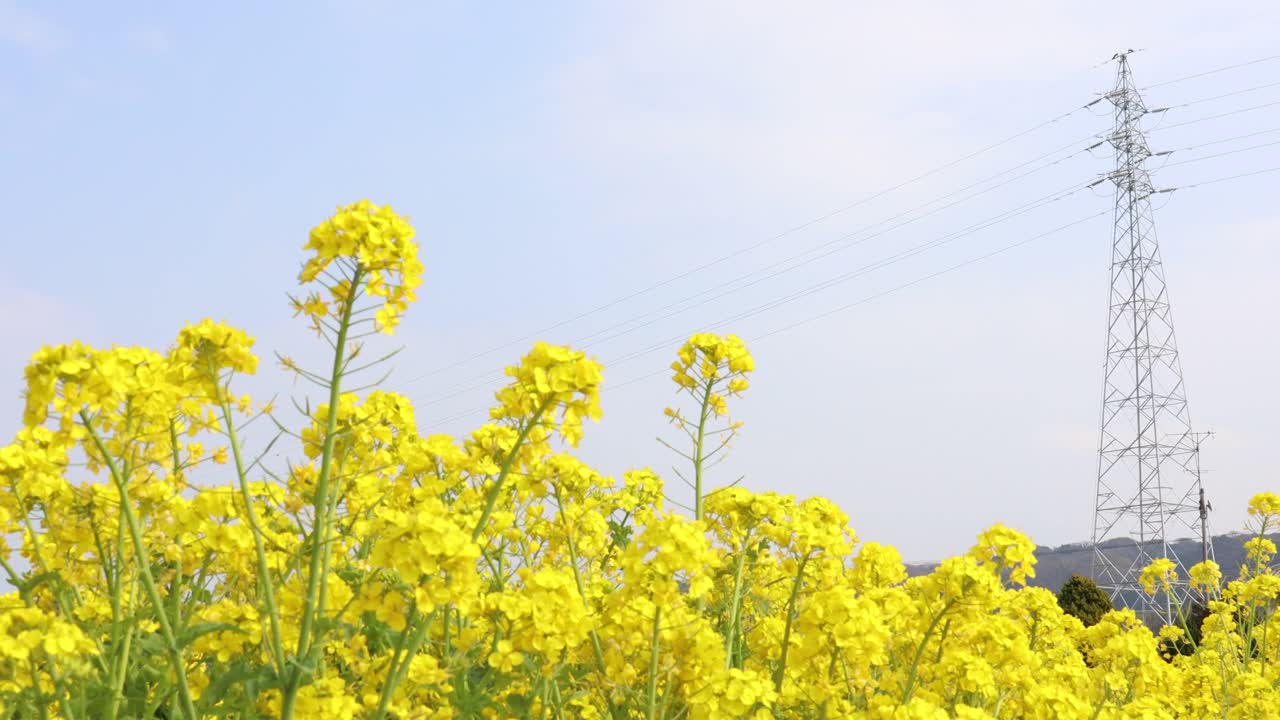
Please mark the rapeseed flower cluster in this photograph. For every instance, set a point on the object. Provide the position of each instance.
(708, 369)
(163, 568)
(375, 253)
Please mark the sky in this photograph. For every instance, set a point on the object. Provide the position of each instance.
(615, 176)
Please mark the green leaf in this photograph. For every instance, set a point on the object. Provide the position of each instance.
(192, 632)
(51, 577)
(239, 677)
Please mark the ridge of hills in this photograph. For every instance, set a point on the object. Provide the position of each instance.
(1056, 565)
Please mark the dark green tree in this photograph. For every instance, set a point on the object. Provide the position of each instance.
(1193, 616)
(1082, 598)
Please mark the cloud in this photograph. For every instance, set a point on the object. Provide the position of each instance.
(831, 96)
(29, 31)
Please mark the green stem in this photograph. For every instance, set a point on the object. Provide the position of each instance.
(144, 569)
(544, 687)
(58, 597)
(320, 502)
(652, 695)
(831, 670)
(697, 449)
(120, 655)
(492, 499)
(779, 674)
(735, 606)
(62, 692)
(559, 700)
(915, 663)
(175, 587)
(264, 572)
(119, 658)
(1102, 703)
(446, 643)
(942, 639)
(335, 497)
(596, 648)
(1266, 625)
(41, 702)
(398, 669)
(1226, 687)
(117, 690)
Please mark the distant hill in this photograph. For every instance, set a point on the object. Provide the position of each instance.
(1056, 565)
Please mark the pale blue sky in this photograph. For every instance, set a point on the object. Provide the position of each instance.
(160, 164)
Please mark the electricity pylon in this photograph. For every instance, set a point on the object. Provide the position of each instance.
(1148, 490)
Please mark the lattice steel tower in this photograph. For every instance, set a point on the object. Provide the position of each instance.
(1148, 491)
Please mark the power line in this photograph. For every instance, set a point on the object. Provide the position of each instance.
(827, 216)
(843, 239)
(1211, 72)
(1163, 112)
(917, 281)
(1223, 140)
(670, 341)
(799, 260)
(1215, 117)
(1225, 179)
(842, 278)
(825, 284)
(1189, 103)
(486, 379)
(845, 242)
(735, 253)
(646, 319)
(813, 318)
(1168, 154)
(1218, 155)
(900, 256)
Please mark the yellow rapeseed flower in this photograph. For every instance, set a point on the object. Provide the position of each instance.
(380, 244)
